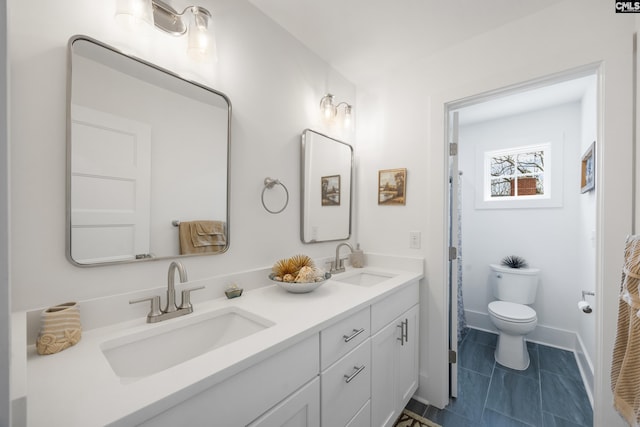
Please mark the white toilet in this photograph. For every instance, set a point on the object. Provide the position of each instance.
(513, 287)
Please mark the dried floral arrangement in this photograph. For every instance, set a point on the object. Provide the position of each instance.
(514, 261)
(297, 269)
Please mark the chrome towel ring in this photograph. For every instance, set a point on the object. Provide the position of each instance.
(270, 183)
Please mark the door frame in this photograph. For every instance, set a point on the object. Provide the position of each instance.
(452, 106)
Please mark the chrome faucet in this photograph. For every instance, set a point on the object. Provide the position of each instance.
(171, 310)
(171, 287)
(337, 265)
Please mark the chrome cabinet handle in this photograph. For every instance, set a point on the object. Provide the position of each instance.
(404, 331)
(355, 333)
(349, 378)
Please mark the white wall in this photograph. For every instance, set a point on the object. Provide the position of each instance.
(401, 124)
(274, 84)
(545, 237)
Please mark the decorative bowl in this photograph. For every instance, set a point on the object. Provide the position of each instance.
(300, 288)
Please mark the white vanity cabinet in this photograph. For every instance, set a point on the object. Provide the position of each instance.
(345, 360)
(394, 355)
(267, 389)
(301, 409)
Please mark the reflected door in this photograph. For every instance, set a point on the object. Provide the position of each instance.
(110, 187)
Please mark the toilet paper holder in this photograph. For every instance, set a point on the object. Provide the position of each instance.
(583, 304)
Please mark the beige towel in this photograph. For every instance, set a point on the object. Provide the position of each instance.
(625, 367)
(202, 237)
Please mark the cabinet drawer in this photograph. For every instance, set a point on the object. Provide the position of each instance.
(342, 337)
(341, 400)
(393, 306)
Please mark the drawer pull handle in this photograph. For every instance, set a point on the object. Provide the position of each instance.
(355, 333)
(404, 331)
(349, 378)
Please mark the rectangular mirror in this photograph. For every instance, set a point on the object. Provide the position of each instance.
(327, 186)
(147, 160)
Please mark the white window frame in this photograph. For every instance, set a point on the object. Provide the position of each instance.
(544, 147)
(553, 184)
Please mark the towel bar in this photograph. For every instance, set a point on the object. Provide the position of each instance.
(270, 183)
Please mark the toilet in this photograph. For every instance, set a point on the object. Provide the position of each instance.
(514, 288)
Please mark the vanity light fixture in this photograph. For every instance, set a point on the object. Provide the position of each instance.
(330, 111)
(199, 28)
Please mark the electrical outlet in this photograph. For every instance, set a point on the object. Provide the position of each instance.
(414, 239)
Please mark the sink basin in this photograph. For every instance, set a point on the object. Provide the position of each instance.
(148, 352)
(364, 278)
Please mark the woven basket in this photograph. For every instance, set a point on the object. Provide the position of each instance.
(60, 328)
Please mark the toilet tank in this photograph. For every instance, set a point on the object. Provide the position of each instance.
(517, 285)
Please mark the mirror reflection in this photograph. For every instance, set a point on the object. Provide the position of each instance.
(327, 173)
(147, 160)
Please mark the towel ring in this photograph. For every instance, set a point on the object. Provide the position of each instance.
(270, 183)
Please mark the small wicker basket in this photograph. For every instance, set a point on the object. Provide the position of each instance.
(60, 328)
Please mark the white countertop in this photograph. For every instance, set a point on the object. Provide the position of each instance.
(77, 386)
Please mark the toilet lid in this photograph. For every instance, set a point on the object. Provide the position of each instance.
(512, 312)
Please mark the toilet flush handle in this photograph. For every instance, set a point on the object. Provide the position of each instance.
(499, 276)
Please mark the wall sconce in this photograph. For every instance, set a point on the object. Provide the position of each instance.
(199, 28)
(329, 110)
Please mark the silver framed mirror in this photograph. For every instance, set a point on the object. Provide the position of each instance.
(147, 160)
(326, 188)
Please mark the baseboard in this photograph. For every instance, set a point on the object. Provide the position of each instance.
(547, 335)
(586, 367)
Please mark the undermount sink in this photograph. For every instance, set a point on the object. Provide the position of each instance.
(364, 278)
(148, 352)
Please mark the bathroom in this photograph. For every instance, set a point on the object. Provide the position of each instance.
(275, 83)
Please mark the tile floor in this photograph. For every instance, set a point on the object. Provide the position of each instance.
(550, 393)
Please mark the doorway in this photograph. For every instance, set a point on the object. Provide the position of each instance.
(554, 230)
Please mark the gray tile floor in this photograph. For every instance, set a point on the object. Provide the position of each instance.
(550, 393)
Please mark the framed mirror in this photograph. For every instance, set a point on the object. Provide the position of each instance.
(327, 187)
(147, 160)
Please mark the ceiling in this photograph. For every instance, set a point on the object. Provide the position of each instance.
(525, 100)
(364, 38)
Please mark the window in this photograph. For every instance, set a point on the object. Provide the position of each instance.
(517, 173)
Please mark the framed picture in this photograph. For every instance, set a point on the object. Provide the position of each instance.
(330, 190)
(588, 178)
(392, 185)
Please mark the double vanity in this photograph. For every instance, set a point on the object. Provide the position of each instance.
(344, 354)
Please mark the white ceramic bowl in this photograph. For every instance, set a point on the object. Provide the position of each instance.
(300, 288)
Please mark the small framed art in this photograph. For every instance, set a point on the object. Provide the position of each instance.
(330, 190)
(588, 175)
(392, 185)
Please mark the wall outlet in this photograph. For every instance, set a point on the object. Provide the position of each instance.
(415, 238)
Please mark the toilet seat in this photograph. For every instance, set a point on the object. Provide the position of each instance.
(512, 312)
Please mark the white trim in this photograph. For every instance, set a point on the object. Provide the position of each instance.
(554, 154)
(545, 147)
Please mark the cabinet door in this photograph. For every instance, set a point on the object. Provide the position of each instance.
(301, 409)
(407, 355)
(384, 362)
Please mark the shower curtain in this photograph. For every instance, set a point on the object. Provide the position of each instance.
(462, 320)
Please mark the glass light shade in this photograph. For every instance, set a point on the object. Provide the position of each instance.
(327, 108)
(133, 13)
(348, 116)
(201, 44)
